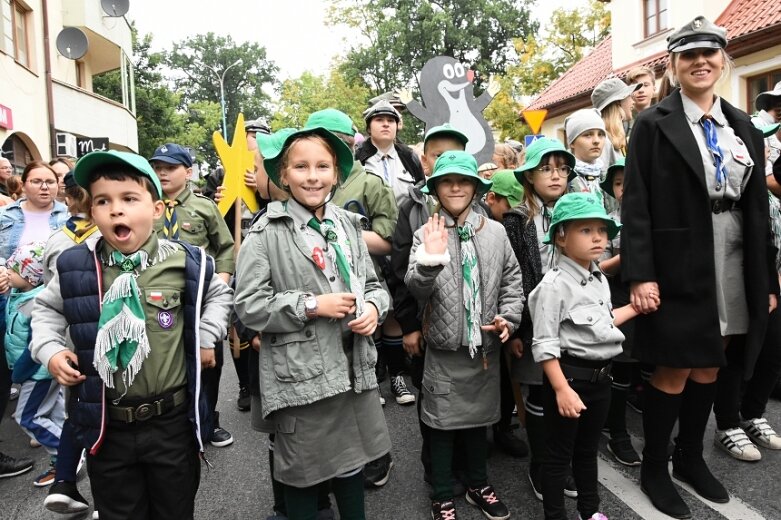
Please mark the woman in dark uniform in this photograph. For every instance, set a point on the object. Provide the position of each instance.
(695, 237)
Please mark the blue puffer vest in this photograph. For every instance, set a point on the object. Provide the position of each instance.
(77, 269)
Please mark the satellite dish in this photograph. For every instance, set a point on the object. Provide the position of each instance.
(72, 43)
(115, 8)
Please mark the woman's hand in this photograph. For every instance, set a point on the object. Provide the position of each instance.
(645, 297)
(569, 403)
(335, 305)
(435, 235)
(366, 323)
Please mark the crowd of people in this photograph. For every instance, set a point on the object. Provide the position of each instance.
(635, 264)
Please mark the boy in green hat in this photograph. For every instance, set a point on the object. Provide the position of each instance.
(143, 314)
(575, 338)
(462, 269)
(505, 193)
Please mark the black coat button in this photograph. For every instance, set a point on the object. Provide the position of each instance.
(308, 334)
(332, 278)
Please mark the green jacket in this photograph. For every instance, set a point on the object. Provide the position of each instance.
(301, 361)
(201, 225)
(367, 194)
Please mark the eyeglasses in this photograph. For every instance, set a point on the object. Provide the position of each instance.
(38, 183)
(547, 171)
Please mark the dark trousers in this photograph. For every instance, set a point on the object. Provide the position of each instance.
(147, 470)
(241, 364)
(302, 503)
(68, 454)
(442, 448)
(210, 381)
(507, 399)
(573, 442)
(5, 376)
(391, 352)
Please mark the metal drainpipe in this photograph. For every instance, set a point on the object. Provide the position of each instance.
(48, 69)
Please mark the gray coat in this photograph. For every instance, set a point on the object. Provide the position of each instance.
(301, 361)
(439, 289)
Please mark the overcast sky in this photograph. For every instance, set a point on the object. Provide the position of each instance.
(293, 31)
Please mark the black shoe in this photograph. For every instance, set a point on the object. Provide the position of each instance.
(536, 483)
(485, 499)
(377, 472)
(445, 510)
(656, 483)
(400, 391)
(220, 436)
(64, 498)
(694, 471)
(11, 467)
(244, 402)
(622, 450)
(570, 489)
(510, 444)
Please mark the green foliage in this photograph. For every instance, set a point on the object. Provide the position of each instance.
(400, 36)
(308, 93)
(203, 58)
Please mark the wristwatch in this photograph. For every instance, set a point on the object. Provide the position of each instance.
(310, 306)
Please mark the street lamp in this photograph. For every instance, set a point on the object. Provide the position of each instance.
(221, 78)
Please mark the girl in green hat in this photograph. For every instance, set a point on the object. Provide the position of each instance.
(306, 283)
(544, 178)
(464, 274)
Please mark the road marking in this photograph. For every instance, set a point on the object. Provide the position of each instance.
(625, 489)
(735, 509)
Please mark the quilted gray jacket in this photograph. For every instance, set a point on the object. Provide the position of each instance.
(438, 289)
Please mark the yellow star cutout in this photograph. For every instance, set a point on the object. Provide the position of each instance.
(236, 160)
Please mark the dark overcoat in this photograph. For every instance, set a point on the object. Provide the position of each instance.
(667, 237)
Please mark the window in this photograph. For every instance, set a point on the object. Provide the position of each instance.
(14, 37)
(654, 16)
(758, 84)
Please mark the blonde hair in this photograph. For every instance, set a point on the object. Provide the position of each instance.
(285, 159)
(614, 125)
(638, 72)
(507, 155)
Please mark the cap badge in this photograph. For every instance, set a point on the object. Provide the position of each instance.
(164, 149)
(697, 24)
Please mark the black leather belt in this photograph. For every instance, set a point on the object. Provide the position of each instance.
(145, 411)
(592, 375)
(721, 205)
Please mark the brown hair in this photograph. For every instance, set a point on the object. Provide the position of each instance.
(63, 160)
(528, 187)
(283, 161)
(79, 200)
(614, 125)
(507, 155)
(34, 165)
(13, 185)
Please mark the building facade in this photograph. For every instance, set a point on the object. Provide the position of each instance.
(48, 107)
(639, 38)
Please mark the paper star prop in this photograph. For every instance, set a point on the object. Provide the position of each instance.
(236, 160)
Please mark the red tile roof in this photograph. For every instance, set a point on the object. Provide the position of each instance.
(752, 25)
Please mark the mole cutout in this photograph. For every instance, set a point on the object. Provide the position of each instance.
(448, 97)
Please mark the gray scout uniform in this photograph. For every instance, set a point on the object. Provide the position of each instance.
(727, 225)
(316, 377)
(572, 313)
(459, 392)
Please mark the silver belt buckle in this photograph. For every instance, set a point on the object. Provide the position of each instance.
(144, 412)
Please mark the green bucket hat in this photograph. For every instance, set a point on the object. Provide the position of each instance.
(445, 129)
(580, 206)
(506, 185)
(332, 120)
(456, 162)
(273, 146)
(607, 184)
(769, 130)
(88, 163)
(539, 149)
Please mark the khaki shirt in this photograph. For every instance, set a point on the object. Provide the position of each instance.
(201, 225)
(375, 198)
(161, 287)
(571, 312)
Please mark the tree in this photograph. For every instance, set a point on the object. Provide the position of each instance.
(301, 96)
(200, 60)
(401, 35)
(161, 115)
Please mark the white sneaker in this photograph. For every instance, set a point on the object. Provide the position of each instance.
(382, 399)
(34, 443)
(735, 442)
(95, 515)
(14, 394)
(82, 460)
(762, 433)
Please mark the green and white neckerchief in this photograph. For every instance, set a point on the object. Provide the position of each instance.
(338, 255)
(471, 292)
(122, 343)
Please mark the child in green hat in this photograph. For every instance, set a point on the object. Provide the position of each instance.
(306, 283)
(505, 193)
(575, 338)
(463, 272)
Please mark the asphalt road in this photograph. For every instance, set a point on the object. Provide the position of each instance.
(238, 485)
